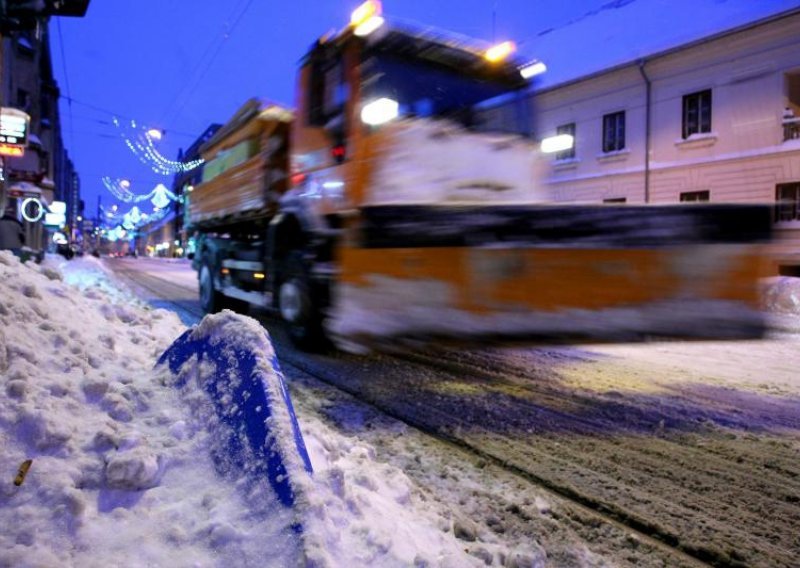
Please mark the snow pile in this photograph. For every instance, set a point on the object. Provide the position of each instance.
(114, 475)
(781, 294)
(225, 370)
(121, 470)
(353, 510)
(423, 161)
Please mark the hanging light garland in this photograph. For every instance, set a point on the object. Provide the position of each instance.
(119, 223)
(160, 196)
(140, 142)
(119, 189)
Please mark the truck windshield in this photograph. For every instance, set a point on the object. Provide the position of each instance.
(429, 91)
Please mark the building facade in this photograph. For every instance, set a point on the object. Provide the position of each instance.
(714, 120)
(45, 171)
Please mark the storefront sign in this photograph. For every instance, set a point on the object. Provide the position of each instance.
(55, 220)
(14, 127)
(11, 150)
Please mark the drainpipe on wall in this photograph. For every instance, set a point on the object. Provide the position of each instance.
(647, 128)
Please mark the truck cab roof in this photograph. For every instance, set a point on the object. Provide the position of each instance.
(434, 47)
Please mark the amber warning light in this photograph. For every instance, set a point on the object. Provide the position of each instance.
(366, 18)
(500, 51)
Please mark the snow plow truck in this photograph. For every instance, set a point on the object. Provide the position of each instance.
(388, 204)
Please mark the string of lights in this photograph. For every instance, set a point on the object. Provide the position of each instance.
(121, 224)
(140, 142)
(160, 196)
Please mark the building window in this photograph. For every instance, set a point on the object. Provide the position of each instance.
(616, 200)
(569, 153)
(25, 44)
(787, 198)
(697, 113)
(614, 132)
(44, 107)
(791, 110)
(23, 99)
(695, 196)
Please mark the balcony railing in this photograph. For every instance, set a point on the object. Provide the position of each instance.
(791, 128)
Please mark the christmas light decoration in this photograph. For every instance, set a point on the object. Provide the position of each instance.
(121, 225)
(160, 196)
(140, 142)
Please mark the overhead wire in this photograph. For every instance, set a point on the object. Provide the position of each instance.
(117, 115)
(197, 66)
(191, 90)
(185, 93)
(66, 80)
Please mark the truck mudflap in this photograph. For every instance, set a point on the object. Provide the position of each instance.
(553, 272)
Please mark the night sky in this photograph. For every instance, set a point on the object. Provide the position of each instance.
(180, 65)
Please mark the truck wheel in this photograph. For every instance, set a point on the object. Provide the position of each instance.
(210, 299)
(213, 301)
(298, 307)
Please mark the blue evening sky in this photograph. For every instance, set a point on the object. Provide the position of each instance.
(180, 65)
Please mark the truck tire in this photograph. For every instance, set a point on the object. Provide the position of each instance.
(213, 301)
(297, 305)
(210, 298)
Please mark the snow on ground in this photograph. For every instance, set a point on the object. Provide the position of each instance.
(121, 472)
(172, 269)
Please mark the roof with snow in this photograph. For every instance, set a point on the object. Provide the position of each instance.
(621, 32)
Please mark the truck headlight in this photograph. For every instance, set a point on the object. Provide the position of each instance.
(380, 111)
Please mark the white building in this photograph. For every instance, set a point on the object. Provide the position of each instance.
(709, 119)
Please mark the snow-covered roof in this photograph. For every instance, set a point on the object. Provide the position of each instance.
(624, 31)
